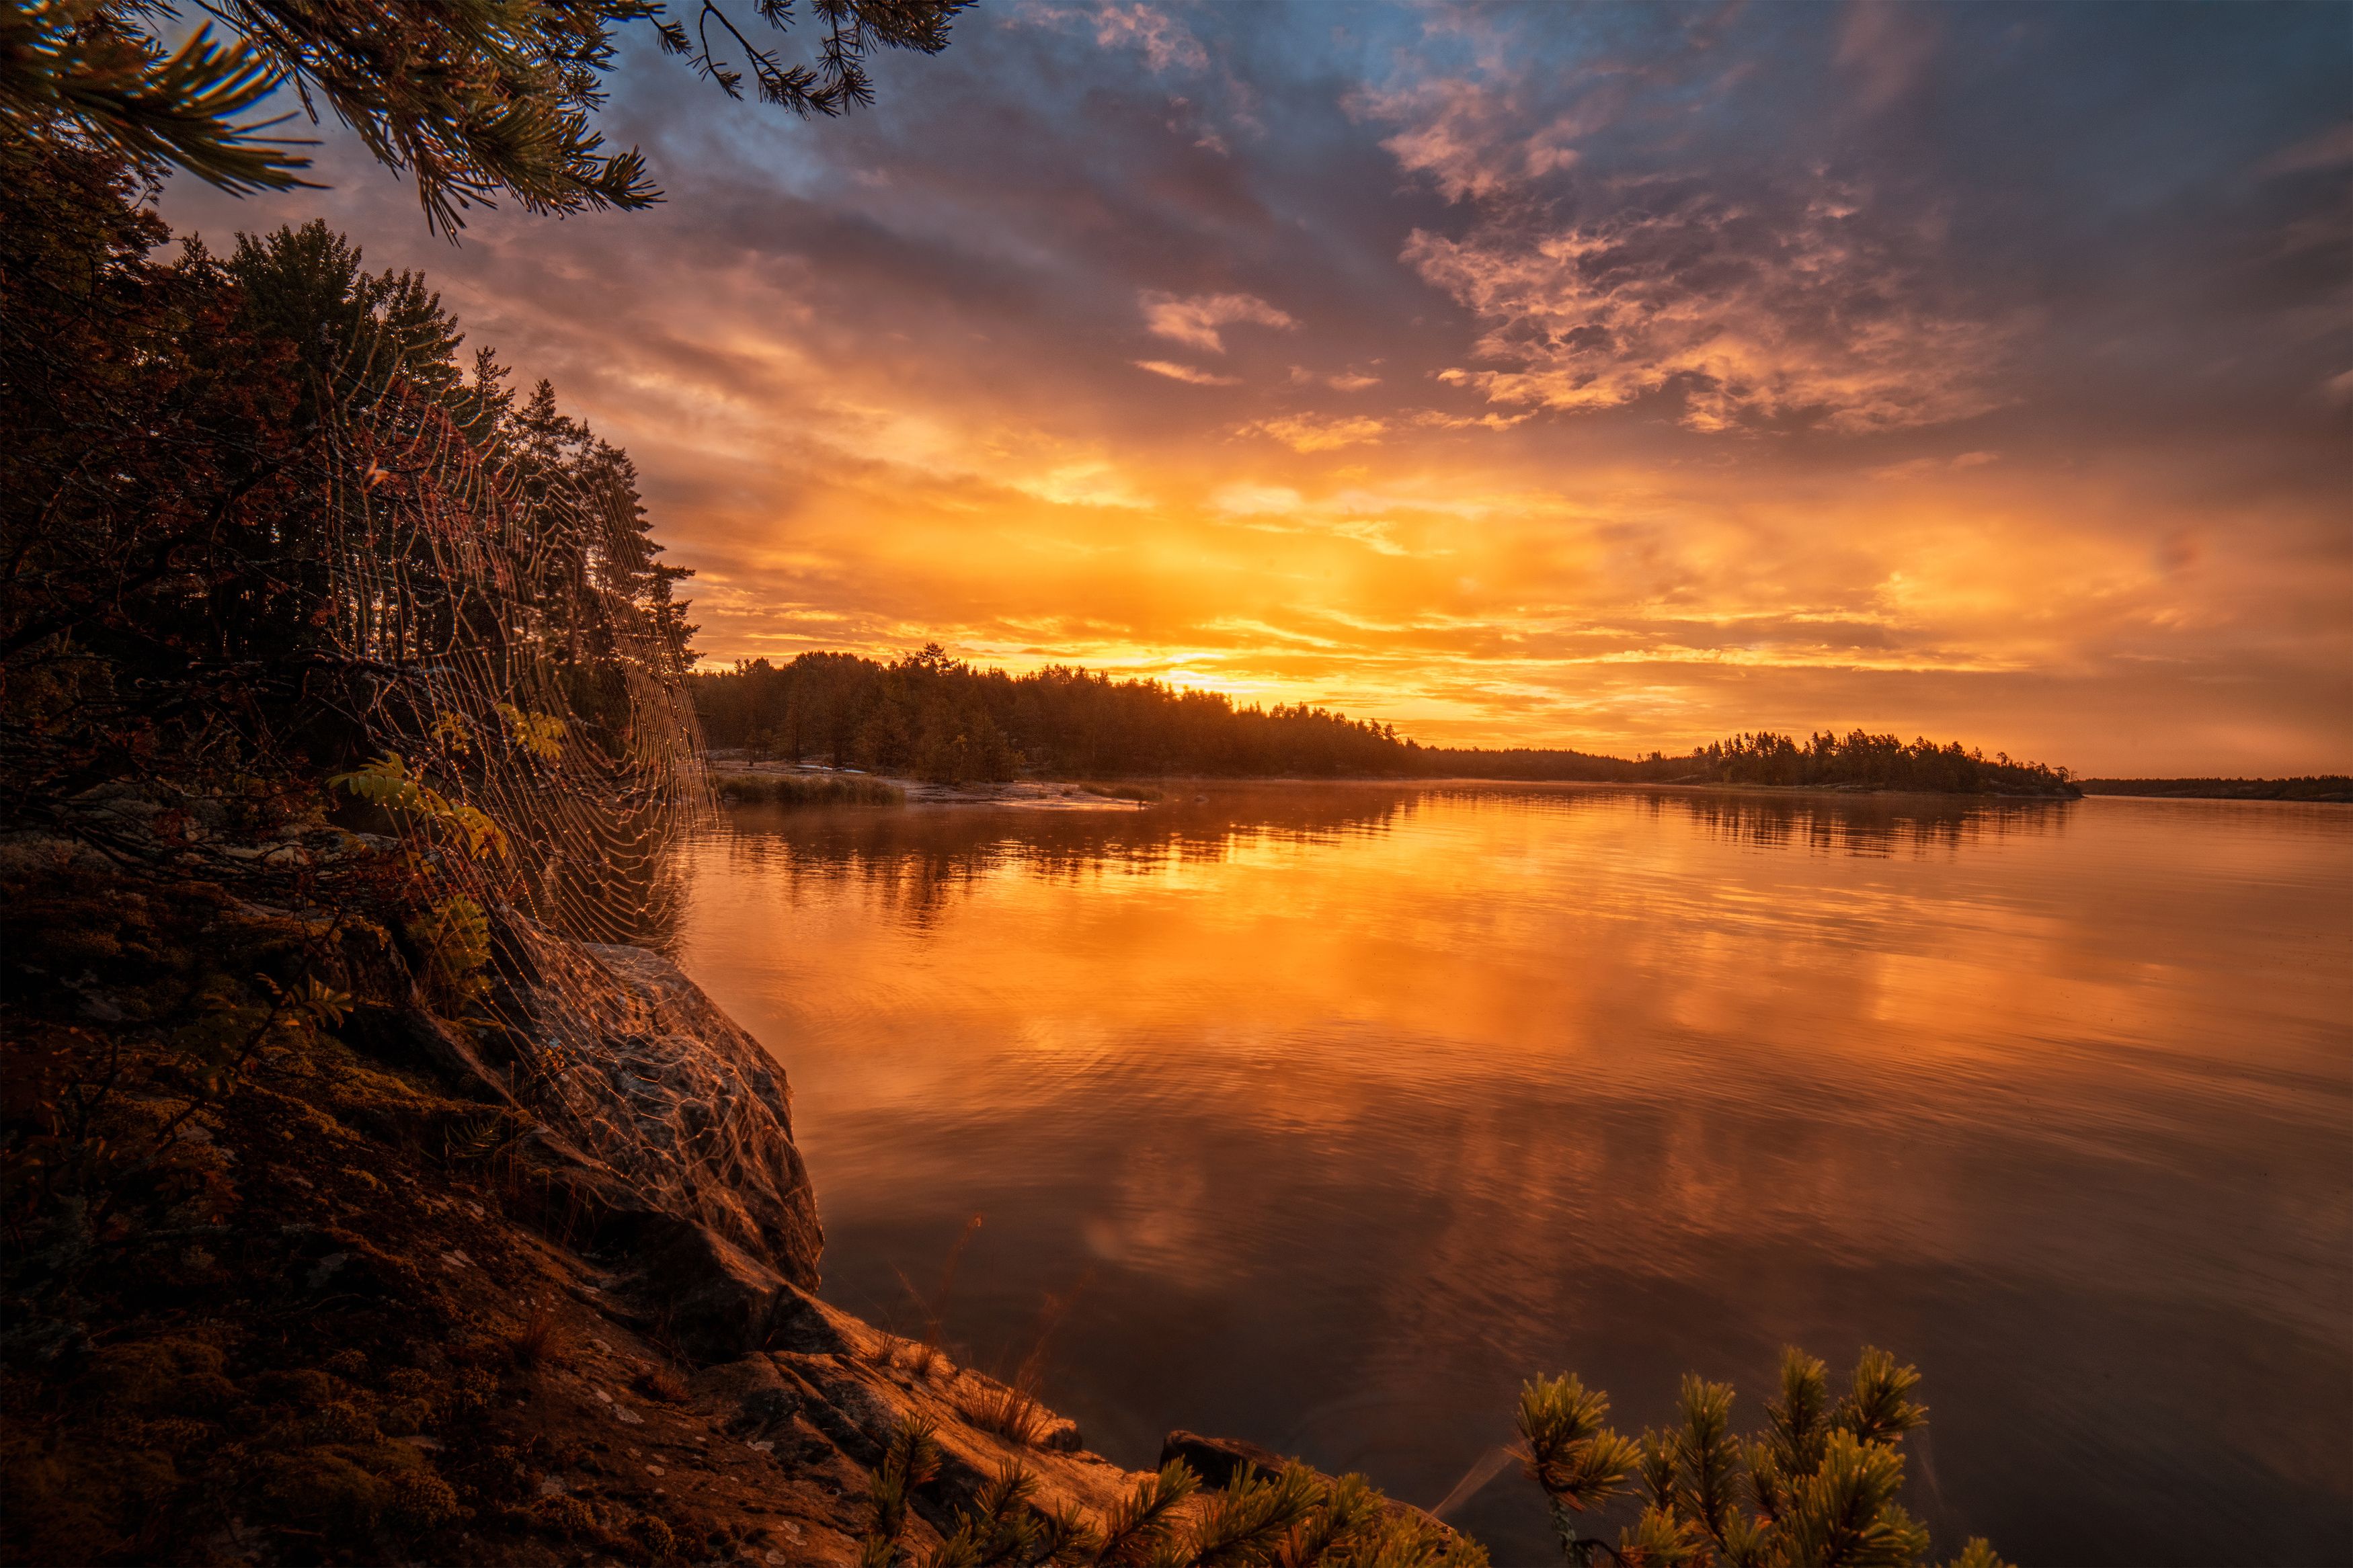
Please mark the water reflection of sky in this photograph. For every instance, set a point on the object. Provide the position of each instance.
(1347, 1107)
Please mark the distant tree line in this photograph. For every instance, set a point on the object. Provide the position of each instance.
(2324, 786)
(937, 718)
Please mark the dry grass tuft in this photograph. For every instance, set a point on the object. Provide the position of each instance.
(1010, 1412)
(660, 1383)
(926, 1351)
(539, 1341)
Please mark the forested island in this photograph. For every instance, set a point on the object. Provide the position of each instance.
(939, 719)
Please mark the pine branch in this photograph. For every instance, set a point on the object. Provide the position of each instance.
(1142, 1520)
(80, 65)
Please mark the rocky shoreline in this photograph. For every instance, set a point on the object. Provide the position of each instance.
(674, 1142)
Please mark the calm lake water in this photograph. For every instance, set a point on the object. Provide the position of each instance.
(1331, 1112)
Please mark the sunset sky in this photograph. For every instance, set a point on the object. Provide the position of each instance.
(1605, 377)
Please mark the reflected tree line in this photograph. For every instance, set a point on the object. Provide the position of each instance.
(916, 864)
(1868, 827)
(940, 719)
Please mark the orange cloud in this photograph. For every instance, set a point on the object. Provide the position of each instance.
(1743, 319)
(1339, 380)
(1187, 374)
(1194, 322)
(1307, 433)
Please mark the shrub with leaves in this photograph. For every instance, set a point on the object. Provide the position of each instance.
(386, 782)
(1816, 1489)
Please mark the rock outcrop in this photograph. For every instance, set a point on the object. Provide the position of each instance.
(668, 1131)
(648, 1124)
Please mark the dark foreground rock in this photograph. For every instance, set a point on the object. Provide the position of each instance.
(302, 1271)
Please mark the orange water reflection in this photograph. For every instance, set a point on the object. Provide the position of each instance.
(1353, 1104)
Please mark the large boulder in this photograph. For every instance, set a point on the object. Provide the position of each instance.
(656, 1125)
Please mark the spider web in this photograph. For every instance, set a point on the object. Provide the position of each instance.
(495, 626)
